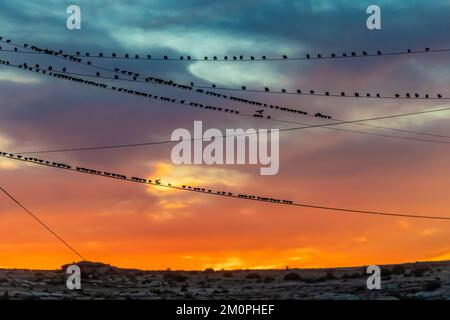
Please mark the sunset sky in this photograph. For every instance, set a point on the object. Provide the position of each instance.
(138, 226)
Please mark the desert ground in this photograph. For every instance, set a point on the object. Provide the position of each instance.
(420, 280)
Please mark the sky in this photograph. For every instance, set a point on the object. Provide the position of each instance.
(138, 226)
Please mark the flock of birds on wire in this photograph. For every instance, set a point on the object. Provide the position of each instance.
(136, 76)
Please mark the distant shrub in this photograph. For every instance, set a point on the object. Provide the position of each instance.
(228, 274)
(253, 275)
(292, 276)
(329, 275)
(353, 275)
(177, 277)
(209, 270)
(386, 272)
(420, 271)
(431, 285)
(398, 270)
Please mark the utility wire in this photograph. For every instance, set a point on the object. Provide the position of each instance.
(235, 112)
(203, 190)
(42, 223)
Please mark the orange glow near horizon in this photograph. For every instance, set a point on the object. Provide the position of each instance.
(179, 230)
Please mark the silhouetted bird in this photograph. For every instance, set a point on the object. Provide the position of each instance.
(343, 94)
(439, 96)
(181, 58)
(409, 50)
(364, 53)
(333, 55)
(213, 85)
(283, 90)
(299, 91)
(87, 54)
(285, 57)
(397, 95)
(344, 54)
(353, 54)
(166, 57)
(136, 56)
(206, 58)
(114, 55)
(241, 57)
(225, 58)
(379, 52)
(252, 58)
(427, 49)
(243, 88)
(426, 96)
(234, 58)
(149, 56)
(356, 94)
(327, 93)
(311, 91)
(417, 95)
(378, 95)
(215, 58)
(407, 95)
(264, 57)
(308, 56)
(126, 55)
(98, 74)
(266, 89)
(319, 56)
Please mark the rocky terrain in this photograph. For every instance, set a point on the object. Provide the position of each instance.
(421, 280)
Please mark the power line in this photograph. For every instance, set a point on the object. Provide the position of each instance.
(271, 107)
(135, 76)
(228, 110)
(42, 223)
(277, 108)
(203, 190)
